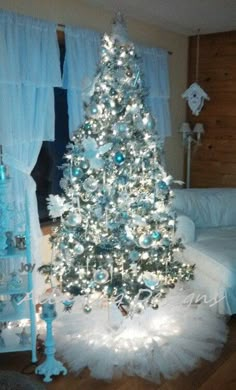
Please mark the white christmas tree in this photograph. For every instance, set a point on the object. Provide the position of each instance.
(116, 231)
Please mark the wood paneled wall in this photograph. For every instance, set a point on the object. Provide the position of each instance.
(214, 162)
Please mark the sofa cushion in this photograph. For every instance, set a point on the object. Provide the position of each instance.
(214, 254)
(210, 207)
(185, 228)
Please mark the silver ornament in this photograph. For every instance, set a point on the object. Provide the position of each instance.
(145, 240)
(73, 219)
(101, 276)
(90, 184)
(79, 249)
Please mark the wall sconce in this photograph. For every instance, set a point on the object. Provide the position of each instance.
(190, 136)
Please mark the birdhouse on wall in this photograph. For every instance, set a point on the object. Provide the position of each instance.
(195, 97)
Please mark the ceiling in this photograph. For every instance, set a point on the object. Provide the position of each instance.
(181, 16)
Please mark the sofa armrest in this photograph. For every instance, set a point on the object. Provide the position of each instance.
(185, 228)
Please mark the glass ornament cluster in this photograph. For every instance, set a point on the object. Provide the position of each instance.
(116, 231)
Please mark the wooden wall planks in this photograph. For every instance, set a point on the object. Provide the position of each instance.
(214, 162)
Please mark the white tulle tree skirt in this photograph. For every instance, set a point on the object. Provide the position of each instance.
(167, 341)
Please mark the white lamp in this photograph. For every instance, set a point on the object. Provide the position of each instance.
(189, 136)
(198, 130)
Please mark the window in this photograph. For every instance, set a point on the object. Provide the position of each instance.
(46, 172)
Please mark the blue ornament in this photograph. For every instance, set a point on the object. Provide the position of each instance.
(134, 255)
(87, 126)
(124, 215)
(145, 241)
(68, 304)
(122, 179)
(94, 110)
(77, 172)
(166, 242)
(162, 185)
(119, 158)
(122, 127)
(101, 276)
(84, 165)
(156, 235)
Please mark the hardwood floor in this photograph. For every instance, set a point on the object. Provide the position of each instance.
(219, 375)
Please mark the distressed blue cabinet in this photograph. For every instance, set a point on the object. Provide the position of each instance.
(17, 309)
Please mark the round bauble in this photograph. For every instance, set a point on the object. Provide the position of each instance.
(87, 309)
(134, 256)
(73, 219)
(156, 235)
(162, 185)
(119, 158)
(84, 165)
(90, 184)
(145, 240)
(77, 172)
(166, 242)
(101, 276)
(122, 180)
(88, 126)
(94, 110)
(79, 249)
(155, 306)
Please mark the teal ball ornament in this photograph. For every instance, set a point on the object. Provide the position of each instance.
(162, 185)
(113, 92)
(87, 309)
(77, 172)
(94, 110)
(166, 242)
(119, 158)
(84, 165)
(145, 240)
(156, 236)
(122, 180)
(134, 256)
(101, 276)
(88, 126)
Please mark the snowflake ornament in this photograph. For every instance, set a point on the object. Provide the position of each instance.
(195, 97)
(56, 206)
(92, 152)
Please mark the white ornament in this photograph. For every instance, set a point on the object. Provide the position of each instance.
(92, 152)
(56, 206)
(195, 97)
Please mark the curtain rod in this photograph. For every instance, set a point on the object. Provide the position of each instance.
(61, 27)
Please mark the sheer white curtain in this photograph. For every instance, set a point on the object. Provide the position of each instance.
(82, 56)
(29, 69)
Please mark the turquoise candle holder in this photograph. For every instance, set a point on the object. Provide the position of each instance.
(50, 366)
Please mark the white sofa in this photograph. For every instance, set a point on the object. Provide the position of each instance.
(206, 223)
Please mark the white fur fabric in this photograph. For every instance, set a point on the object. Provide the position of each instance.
(167, 341)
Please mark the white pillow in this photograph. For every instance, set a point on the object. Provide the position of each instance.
(185, 228)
